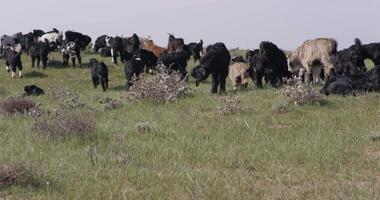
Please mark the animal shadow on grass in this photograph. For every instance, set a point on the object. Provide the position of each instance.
(35, 74)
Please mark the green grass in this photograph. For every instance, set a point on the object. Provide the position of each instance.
(308, 152)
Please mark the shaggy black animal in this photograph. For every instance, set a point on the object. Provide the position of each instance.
(374, 76)
(105, 52)
(216, 62)
(134, 66)
(39, 52)
(99, 73)
(176, 61)
(13, 62)
(81, 39)
(100, 42)
(347, 84)
(196, 49)
(33, 90)
(149, 60)
(268, 62)
(351, 60)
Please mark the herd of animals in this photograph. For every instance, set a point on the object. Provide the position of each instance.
(343, 72)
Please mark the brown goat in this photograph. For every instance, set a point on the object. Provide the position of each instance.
(157, 50)
(310, 57)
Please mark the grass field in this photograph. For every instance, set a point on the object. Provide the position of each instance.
(194, 152)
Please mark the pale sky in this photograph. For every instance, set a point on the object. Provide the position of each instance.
(237, 23)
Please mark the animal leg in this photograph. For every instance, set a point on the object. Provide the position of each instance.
(222, 84)
(214, 83)
(316, 73)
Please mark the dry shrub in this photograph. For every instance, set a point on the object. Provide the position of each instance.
(230, 105)
(19, 105)
(68, 99)
(300, 93)
(110, 104)
(17, 174)
(65, 124)
(162, 87)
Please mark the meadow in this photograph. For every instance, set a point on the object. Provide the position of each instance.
(193, 151)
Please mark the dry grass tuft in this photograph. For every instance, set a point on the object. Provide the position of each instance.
(230, 105)
(65, 124)
(110, 104)
(17, 174)
(162, 87)
(19, 105)
(300, 93)
(146, 127)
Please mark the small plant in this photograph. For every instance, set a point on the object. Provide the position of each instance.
(164, 86)
(300, 93)
(19, 105)
(110, 104)
(65, 124)
(17, 174)
(68, 99)
(146, 127)
(280, 106)
(230, 105)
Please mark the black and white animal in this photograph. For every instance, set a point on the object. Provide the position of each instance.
(105, 52)
(176, 61)
(55, 38)
(13, 62)
(216, 62)
(134, 66)
(33, 90)
(82, 40)
(196, 49)
(39, 52)
(270, 63)
(99, 73)
(70, 51)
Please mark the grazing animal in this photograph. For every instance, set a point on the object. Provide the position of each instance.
(82, 40)
(149, 60)
(70, 50)
(99, 73)
(105, 52)
(238, 74)
(174, 43)
(351, 60)
(346, 84)
(215, 62)
(372, 51)
(320, 50)
(196, 49)
(33, 90)
(100, 42)
(176, 61)
(268, 62)
(39, 52)
(134, 66)
(157, 50)
(54, 38)
(13, 62)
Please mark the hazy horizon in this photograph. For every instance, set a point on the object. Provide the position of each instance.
(238, 23)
